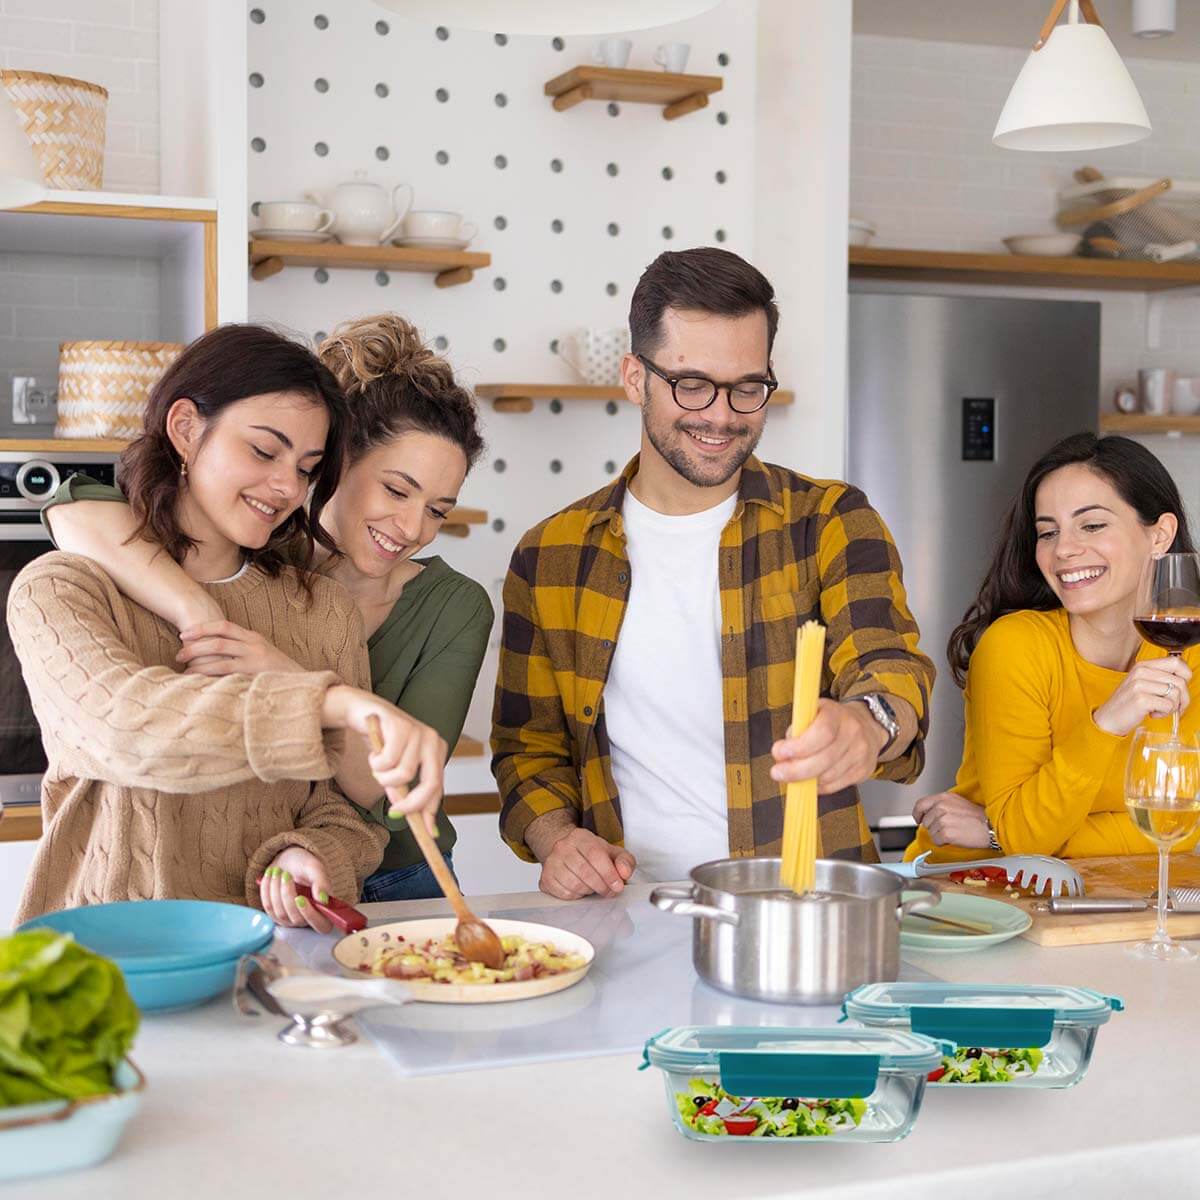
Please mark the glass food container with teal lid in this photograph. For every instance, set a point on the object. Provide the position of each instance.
(777, 1084)
(1007, 1035)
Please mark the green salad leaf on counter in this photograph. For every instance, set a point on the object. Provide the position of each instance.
(708, 1108)
(970, 1064)
(66, 1019)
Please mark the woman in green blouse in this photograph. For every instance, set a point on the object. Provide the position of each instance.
(413, 439)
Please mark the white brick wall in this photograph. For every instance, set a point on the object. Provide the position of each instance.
(49, 298)
(110, 42)
(925, 173)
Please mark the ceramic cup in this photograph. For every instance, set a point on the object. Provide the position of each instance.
(595, 354)
(296, 215)
(1156, 387)
(446, 226)
(612, 52)
(673, 56)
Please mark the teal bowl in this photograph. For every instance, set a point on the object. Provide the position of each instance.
(61, 1135)
(180, 987)
(152, 936)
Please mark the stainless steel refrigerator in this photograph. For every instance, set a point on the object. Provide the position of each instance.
(951, 400)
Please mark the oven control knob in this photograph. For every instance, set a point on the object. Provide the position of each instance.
(37, 479)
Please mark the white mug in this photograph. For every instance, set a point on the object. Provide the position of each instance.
(446, 226)
(595, 354)
(612, 52)
(673, 56)
(298, 216)
(1156, 387)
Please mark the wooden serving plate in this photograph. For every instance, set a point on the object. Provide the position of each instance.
(1133, 875)
(357, 948)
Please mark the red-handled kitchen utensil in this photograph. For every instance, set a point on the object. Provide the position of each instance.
(477, 941)
(344, 916)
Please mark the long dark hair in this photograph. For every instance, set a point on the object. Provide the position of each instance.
(1013, 580)
(218, 369)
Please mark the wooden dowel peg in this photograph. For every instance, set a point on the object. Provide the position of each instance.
(454, 277)
(513, 404)
(577, 95)
(266, 268)
(689, 104)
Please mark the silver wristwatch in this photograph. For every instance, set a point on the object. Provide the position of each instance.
(883, 712)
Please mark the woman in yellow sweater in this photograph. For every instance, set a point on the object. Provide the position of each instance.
(166, 784)
(1056, 676)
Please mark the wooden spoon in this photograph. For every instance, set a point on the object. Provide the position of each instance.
(477, 940)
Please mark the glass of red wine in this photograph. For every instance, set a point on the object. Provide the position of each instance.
(1168, 614)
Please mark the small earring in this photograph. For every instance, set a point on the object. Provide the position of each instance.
(183, 469)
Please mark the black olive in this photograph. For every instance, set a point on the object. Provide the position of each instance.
(700, 1101)
(974, 1052)
(790, 1102)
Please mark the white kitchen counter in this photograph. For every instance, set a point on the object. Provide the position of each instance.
(230, 1112)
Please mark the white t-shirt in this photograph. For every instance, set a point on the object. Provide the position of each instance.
(663, 700)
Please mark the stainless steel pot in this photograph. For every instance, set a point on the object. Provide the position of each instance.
(754, 938)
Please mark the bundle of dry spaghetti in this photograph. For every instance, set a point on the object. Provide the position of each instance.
(798, 867)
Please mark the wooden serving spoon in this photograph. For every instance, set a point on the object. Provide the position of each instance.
(477, 940)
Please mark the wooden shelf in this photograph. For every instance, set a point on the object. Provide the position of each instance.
(23, 823)
(519, 397)
(1016, 270)
(459, 521)
(451, 267)
(1148, 423)
(678, 94)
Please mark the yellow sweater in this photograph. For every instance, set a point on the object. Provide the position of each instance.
(1051, 780)
(165, 785)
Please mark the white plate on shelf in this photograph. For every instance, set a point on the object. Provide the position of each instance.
(358, 949)
(428, 243)
(290, 235)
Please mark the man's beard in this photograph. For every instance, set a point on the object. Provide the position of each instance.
(719, 471)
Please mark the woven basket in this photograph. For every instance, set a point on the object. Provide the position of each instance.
(103, 386)
(64, 120)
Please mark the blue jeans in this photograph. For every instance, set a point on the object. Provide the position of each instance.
(409, 883)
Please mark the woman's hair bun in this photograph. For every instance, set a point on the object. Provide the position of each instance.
(370, 348)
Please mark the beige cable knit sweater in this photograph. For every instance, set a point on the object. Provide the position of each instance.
(169, 785)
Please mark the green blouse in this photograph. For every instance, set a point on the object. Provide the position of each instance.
(425, 659)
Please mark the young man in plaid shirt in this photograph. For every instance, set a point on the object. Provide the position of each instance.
(645, 679)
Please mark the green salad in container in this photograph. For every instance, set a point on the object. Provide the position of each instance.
(708, 1108)
(972, 1064)
(66, 1019)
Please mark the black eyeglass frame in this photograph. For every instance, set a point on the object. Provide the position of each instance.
(770, 383)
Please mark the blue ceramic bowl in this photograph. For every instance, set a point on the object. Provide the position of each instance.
(180, 987)
(163, 935)
(88, 1135)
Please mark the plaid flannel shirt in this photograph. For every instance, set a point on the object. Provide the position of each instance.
(796, 548)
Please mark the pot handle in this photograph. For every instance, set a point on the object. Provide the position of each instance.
(676, 898)
(928, 901)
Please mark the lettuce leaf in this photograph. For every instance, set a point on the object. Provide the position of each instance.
(66, 1019)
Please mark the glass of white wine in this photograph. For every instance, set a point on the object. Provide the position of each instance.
(1162, 793)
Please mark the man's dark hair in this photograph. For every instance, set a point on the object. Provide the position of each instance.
(705, 279)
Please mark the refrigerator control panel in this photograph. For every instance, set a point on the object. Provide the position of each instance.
(978, 429)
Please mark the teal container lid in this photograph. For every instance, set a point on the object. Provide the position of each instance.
(980, 1014)
(770, 1061)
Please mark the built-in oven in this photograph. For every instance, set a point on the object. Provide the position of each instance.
(27, 478)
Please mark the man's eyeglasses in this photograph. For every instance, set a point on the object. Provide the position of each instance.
(695, 392)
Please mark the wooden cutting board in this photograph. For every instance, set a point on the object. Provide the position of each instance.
(1125, 875)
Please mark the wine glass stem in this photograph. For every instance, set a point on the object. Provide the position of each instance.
(1175, 718)
(1160, 934)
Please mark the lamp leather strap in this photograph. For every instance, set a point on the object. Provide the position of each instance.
(1086, 7)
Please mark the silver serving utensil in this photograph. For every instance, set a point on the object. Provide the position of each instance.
(1179, 900)
(1052, 874)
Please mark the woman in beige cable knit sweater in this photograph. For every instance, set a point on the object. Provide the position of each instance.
(162, 784)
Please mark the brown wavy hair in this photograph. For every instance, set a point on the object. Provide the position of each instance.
(395, 385)
(1014, 581)
(218, 369)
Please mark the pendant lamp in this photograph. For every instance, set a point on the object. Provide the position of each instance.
(550, 17)
(21, 180)
(1074, 92)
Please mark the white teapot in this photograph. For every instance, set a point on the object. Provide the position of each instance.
(595, 354)
(365, 214)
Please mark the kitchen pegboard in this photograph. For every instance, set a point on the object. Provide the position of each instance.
(571, 208)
